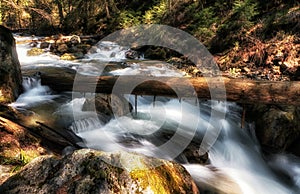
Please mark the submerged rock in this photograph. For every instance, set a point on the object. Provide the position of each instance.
(90, 171)
(10, 71)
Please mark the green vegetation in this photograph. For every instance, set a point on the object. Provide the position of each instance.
(241, 32)
(212, 22)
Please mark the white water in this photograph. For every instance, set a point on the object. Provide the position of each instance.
(34, 93)
(163, 69)
(107, 51)
(45, 59)
(235, 154)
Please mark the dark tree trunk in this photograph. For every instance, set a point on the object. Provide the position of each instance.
(60, 11)
(10, 73)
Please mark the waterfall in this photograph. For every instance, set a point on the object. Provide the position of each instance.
(87, 124)
(236, 153)
(34, 93)
(164, 127)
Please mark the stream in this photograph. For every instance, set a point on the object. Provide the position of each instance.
(163, 127)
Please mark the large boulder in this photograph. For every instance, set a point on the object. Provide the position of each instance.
(10, 71)
(90, 171)
(277, 127)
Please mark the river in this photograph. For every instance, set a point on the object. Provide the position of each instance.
(163, 127)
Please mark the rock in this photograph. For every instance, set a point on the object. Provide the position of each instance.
(155, 53)
(10, 71)
(131, 54)
(35, 52)
(75, 39)
(62, 48)
(44, 45)
(277, 127)
(212, 180)
(90, 171)
(84, 47)
(107, 106)
(68, 57)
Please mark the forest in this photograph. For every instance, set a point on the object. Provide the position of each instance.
(82, 113)
(237, 32)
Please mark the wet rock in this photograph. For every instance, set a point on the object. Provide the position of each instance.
(90, 171)
(211, 180)
(107, 106)
(62, 48)
(68, 57)
(131, 54)
(44, 45)
(277, 127)
(35, 52)
(10, 73)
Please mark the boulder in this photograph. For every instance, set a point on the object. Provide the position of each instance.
(10, 71)
(108, 106)
(277, 127)
(90, 171)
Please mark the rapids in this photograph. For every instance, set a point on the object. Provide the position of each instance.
(165, 127)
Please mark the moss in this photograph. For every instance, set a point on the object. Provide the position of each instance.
(163, 179)
(35, 52)
(68, 57)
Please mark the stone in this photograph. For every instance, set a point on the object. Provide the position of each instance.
(91, 171)
(35, 52)
(131, 54)
(155, 53)
(68, 57)
(108, 106)
(44, 45)
(62, 48)
(277, 126)
(10, 70)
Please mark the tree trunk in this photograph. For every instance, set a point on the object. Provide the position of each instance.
(238, 90)
(60, 12)
(10, 73)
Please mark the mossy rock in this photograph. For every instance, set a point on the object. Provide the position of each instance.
(68, 57)
(35, 52)
(91, 171)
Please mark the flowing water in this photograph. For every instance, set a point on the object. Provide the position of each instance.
(164, 127)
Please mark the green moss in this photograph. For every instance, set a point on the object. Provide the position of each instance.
(35, 52)
(68, 57)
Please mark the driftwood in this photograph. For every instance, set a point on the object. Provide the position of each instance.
(238, 90)
(20, 126)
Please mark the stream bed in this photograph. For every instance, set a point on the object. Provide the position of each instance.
(162, 127)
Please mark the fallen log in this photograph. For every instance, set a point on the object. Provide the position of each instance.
(237, 90)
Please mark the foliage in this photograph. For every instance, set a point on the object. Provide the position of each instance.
(155, 14)
(218, 23)
(129, 18)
